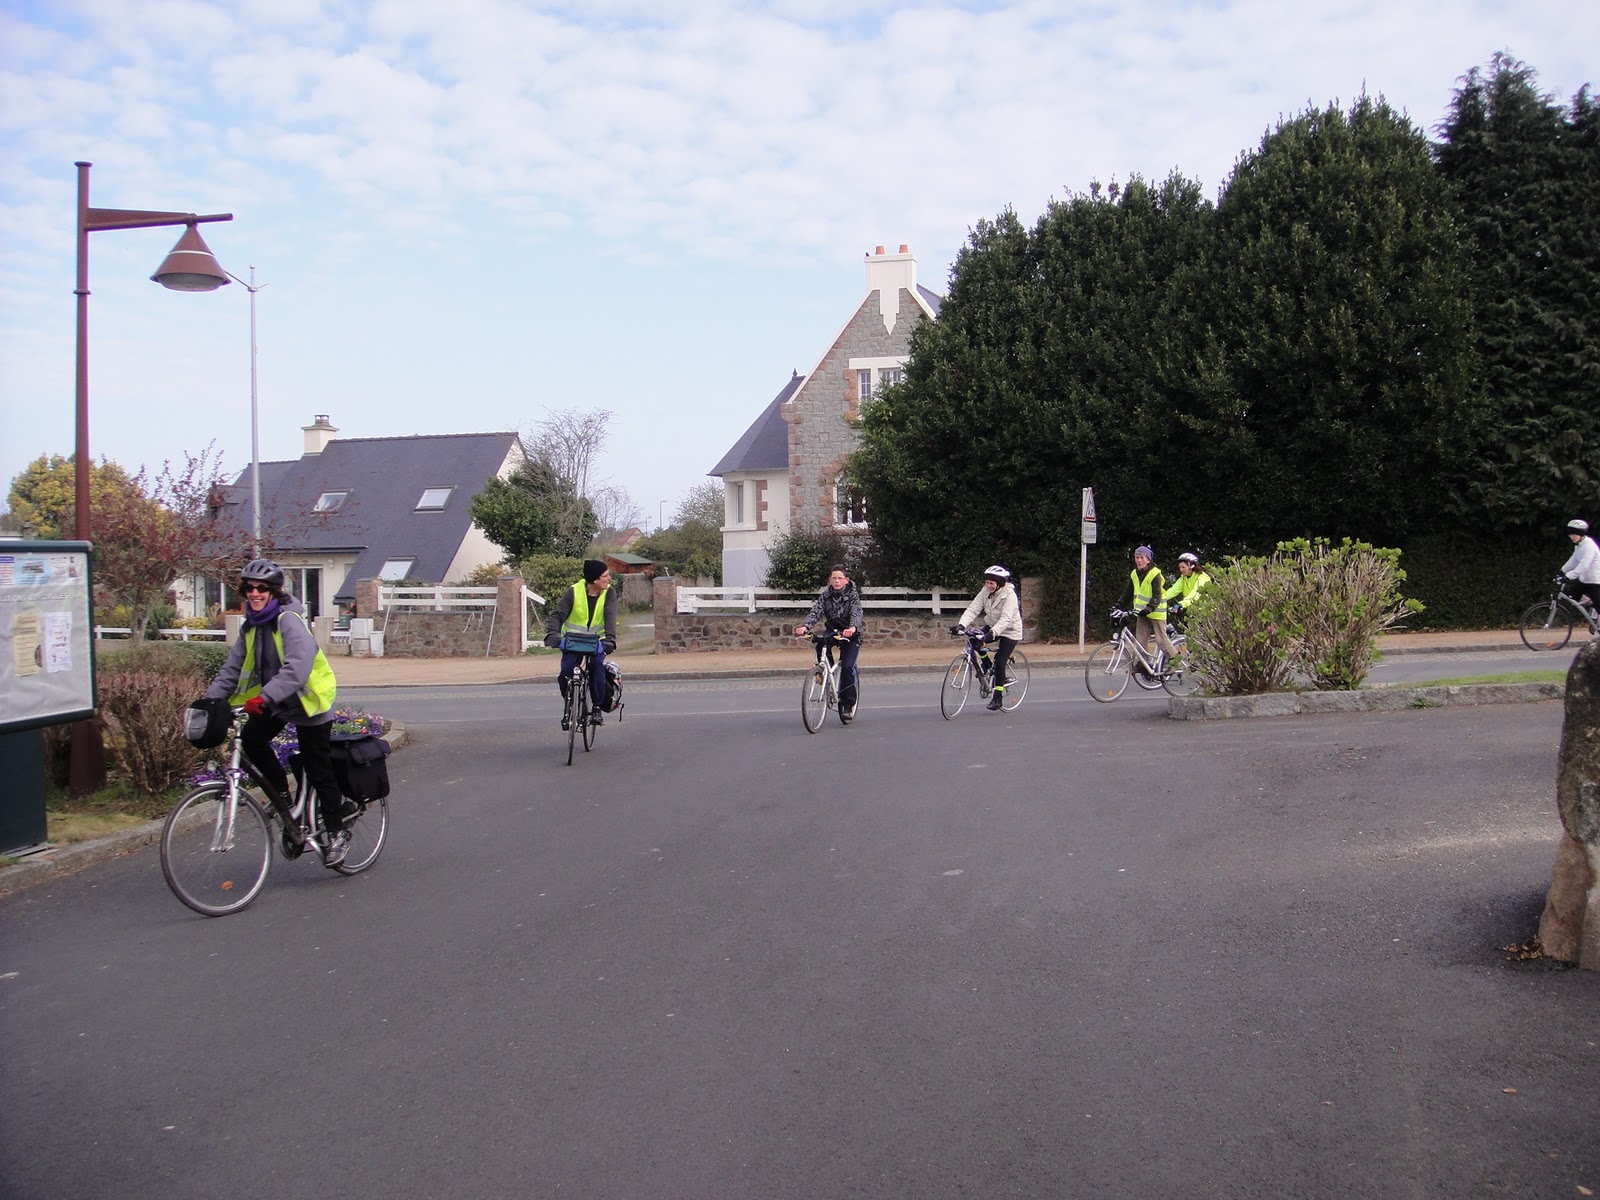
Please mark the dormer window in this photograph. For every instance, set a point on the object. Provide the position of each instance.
(434, 499)
(396, 569)
(330, 502)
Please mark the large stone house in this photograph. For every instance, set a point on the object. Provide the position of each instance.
(388, 508)
(787, 470)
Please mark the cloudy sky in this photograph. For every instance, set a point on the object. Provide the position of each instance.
(467, 214)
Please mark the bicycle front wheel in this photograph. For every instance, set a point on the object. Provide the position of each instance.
(368, 831)
(573, 686)
(1180, 679)
(1017, 674)
(954, 687)
(216, 861)
(1547, 626)
(814, 698)
(1106, 672)
(590, 729)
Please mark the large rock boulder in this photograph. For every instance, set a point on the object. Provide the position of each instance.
(1570, 927)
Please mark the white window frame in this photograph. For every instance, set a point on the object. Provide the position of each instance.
(422, 500)
(872, 374)
(396, 569)
(843, 506)
(331, 501)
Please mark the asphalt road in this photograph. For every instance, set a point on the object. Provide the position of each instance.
(1078, 950)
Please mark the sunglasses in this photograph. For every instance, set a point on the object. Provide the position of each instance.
(256, 587)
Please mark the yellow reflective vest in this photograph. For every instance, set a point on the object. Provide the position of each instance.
(1149, 599)
(581, 604)
(316, 696)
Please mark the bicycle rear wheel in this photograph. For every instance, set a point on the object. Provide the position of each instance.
(1180, 679)
(954, 687)
(1106, 672)
(575, 688)
(590, 729)
(1547, 626)
(211, 868)
(1017, 675)
(814, 697)
(368, 831)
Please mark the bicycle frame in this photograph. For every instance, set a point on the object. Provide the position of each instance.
(814, 703)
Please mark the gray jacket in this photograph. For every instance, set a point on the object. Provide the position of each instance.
(280, 681)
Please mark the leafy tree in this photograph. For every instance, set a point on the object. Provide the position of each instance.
(534, 511)
(692, 544)
(1348, 398)
(146, 532)
(1528, 177)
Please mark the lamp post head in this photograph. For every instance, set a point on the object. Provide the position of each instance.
(191, 267)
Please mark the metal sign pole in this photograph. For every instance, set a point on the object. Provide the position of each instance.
(1087, 533)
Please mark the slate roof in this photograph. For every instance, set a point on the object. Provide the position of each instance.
(765, 445)
(379, 519)
(932, 299)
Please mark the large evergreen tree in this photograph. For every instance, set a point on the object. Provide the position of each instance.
(1527, 175)
(1347, 395)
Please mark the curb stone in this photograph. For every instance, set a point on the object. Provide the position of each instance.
(1287, 704)
(62, 860)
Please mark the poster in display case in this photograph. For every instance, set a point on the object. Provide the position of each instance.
(46, 634)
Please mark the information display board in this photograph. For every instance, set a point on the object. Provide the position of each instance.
(46, 634)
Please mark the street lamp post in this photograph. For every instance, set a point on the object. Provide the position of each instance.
(661, 521)
(190, 267)
(255, 420)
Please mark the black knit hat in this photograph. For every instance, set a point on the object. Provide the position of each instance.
(593, 568)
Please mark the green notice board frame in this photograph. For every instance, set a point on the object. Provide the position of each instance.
(46, 634)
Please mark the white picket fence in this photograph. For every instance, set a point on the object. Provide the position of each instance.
(178, 635)
(435, 598)
(937, 601)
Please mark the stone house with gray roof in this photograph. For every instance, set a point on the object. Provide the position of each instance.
(787, 470)
(387, 508)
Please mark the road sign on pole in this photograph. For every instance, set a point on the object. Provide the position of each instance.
(1088, 532)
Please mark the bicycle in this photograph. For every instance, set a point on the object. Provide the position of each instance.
(1548, 624)
(578, 714)
(819, 690)
(975, 661)
(1112, 665)
(216, 844)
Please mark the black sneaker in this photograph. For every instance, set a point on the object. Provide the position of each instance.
(995, 701)
(338, 847)
(566, 722)
(597, 718)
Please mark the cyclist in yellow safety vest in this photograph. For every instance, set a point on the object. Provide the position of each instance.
(583, 610)
(1191, 579)
(1146, 598)
(278, 674)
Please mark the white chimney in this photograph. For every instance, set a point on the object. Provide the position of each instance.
(318, 434)
(886, 275)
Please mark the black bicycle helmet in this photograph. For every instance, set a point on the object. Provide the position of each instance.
(1577, 525)
(263, 570)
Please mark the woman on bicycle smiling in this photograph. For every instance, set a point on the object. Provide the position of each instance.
(996, 612)
(277, 673)
(839, 608)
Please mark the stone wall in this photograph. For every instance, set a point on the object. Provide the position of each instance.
(473, 633)
(677, 632)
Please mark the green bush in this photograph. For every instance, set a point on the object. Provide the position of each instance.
(1309, 611)
(550, 574)
(801, 559)
(142, 696)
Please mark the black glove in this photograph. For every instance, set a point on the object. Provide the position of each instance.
(553, 640)
(610, 644)
(1117, 614)
(956, 631)
(988, 634)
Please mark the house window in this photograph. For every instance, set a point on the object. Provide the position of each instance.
(330, 502)
(736, 503)
(434, 499)
(849, 505)
(889, 376)
(396, 569)
(863, 384)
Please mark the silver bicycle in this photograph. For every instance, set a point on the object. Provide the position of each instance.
(216, 846)
(1112, 665)
(975, 665)
(819, 690)
(1548, 625)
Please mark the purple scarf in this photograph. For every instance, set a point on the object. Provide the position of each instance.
(268, 614)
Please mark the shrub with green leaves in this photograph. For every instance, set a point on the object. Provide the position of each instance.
(1239, 639)
(550, 574)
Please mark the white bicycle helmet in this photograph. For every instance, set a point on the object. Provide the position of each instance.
(998, 573)
(1192, 559)
(1577, 525)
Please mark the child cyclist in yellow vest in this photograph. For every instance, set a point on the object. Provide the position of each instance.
(582, 609)
(1146, 598)
(279, 676)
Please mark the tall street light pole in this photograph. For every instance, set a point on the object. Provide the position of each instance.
(190, 267)
(255, 419)
(661, 521)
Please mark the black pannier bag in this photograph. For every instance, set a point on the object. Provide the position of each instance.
(613, 687)
(206, 723)
(360, 764)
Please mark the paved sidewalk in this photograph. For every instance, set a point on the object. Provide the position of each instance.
(434, 672)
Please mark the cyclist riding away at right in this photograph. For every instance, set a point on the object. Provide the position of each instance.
(839, 608)
(1146, 597)
(996, 612)
(582, 609)
(1191, 579)
(1582, 569)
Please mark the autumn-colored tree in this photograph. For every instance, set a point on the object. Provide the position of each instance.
(147, 532)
